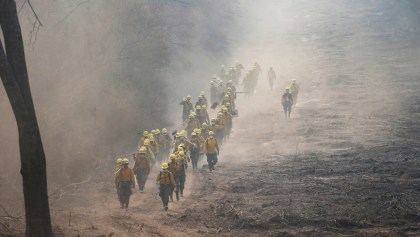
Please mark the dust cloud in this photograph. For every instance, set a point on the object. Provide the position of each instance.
(102, 71)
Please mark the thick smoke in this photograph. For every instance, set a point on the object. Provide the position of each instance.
(102, 71)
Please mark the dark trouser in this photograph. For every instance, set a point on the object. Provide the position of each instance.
(211, 160)
(141, 176)
(194, 157)
(125, 193)
(164, 192)
(185, 115)
(220, 134)
(180, 181)
(287, 106)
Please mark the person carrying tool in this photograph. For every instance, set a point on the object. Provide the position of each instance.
(271, 77)
(287, 102)
(165, 181)
(211, 150)
(141, 167)
(124, 179)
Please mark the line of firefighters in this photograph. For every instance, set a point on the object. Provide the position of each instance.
(201, 135)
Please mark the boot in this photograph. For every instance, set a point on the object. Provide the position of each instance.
(177, 196)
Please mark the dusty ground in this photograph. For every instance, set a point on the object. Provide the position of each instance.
(347, 164)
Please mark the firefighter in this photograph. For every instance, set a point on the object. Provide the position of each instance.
(119, 163)
(212, 151)
(141, 167)
(204, 130)
(187, 107)
(195, 149)
(191, 124)
(220, 128)
(199, 115)
(228, 118)
(294, 89)
(213, 93)
(205, 114)
(149, 152)
(287, 102)
(117, 169)
(204, 98)
(271, 77)
(145, 136)
(154, 146)
(165, 181)
(180, 175)
(124, 179)
(165, 142)
(172, 168)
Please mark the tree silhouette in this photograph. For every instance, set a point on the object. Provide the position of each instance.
(14, 75)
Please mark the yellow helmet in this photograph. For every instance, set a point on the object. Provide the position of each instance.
(165, 166)
(180, 148)
(142, 150)
(172, 156)
(202, 93)
(203, 107)
(125, 161)
(146, 142)
(193, 113)
(287, 88)
(188, 97)
(226, 96)
(225, 109)
(191, 116)
(193, 134)
(181, 154)
(145, 133)
(211, 133)
(198, 131)
(157, 131)
(229, 89)
(152, 138)
(227, 104)
(153, 132)
(204, 125)
(182, 133)
(119, 161)
(164, 130)
(230, 81)
(197, 107)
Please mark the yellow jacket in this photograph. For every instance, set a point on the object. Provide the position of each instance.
(165, 177)
(211, 146)
(125, 175)
(141, 162)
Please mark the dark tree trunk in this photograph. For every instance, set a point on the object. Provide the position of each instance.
(14, 76)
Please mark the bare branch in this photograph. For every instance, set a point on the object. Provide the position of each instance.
(36, 16)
